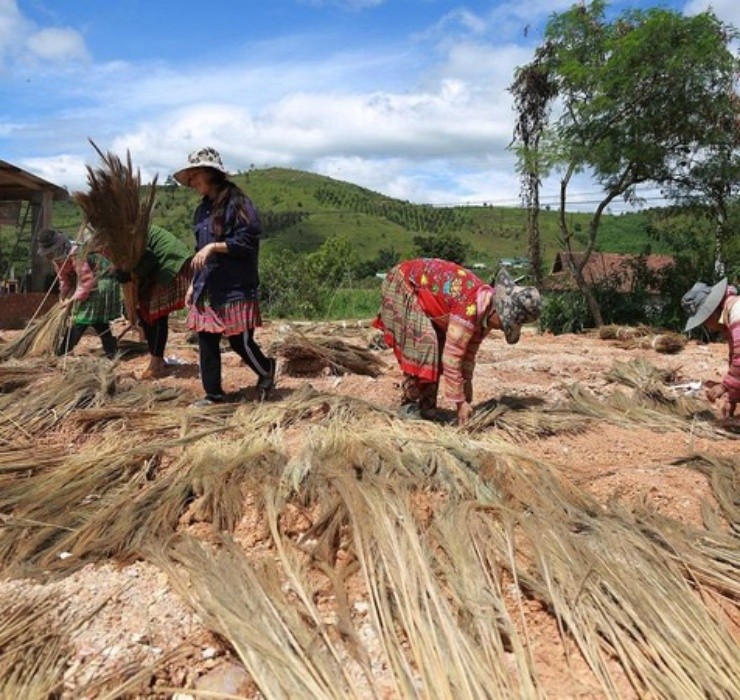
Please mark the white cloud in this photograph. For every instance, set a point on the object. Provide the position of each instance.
(21, 40)
(726, 10)
(57, 45)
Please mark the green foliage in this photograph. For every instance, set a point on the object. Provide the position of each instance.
(564, 312)
(446, 246)
(319, 285)
(383, 261)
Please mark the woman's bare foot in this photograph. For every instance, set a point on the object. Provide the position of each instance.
(155, 369)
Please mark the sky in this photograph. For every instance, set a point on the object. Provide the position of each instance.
(405, 97)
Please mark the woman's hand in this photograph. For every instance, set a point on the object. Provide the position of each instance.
(464, 411)
(189, 296)
(201, 257)
(714, 392)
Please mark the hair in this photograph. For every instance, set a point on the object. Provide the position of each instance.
(228, 193)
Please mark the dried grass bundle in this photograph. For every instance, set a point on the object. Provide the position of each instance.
(40, 337)
(35, 645)
(616, 332)
(666, 343)
(118, 215)
(308, 355)
(521, 422)
(653, 413)
(16, 374)
(84, 382)
(115, 210)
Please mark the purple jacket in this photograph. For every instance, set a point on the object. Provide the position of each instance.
(227, 277)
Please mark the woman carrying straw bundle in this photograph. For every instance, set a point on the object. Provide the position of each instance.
(86, 284)
(717, 308)
(434, 315)
(223, 294)
(162, 279)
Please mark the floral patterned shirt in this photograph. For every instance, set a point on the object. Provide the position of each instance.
(448, 295)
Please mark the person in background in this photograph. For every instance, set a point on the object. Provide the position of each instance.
(223, 295)
(717, 308)
(434, 314)
(162, 279)
(86, 284)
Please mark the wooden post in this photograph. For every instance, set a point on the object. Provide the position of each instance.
(41, 218)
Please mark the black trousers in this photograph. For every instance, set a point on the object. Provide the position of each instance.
(156, 335)
(77, 330)
(243, 345)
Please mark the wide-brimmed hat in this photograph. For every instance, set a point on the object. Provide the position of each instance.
(515, 305)
(701, 301)
(202, 158)
(53, 243)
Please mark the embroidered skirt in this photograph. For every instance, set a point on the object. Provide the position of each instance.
(158, 300)
(408, 330)
(233, 318)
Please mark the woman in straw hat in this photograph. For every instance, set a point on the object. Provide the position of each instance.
(223, 294)
(86, 284)
(434, 315)
(717, 308)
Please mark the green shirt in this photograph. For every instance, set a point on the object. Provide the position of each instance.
(163, 258)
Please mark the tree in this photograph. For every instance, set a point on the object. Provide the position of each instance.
(533, 91)
(446, 246)
(637, 97)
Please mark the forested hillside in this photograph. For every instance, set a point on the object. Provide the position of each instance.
(300, 210)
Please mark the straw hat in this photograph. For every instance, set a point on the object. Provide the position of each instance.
(701, 301)
(515, 305)
(202, 158)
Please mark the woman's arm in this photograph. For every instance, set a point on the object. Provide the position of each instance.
(85, 280)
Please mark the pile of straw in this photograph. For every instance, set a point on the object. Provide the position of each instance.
(521, 422)
(644, 337)
(615, 332)
(40, 337)
(310, 355)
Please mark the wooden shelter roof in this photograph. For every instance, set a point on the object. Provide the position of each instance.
(19, 184)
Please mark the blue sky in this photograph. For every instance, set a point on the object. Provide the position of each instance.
(406, 97)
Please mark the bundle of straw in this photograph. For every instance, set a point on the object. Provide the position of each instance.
(665, 343)
(118, 216)
(308, 355)
(40, 337)
(615, 332)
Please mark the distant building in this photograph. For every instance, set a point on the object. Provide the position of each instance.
(617, 270)
(514, 262)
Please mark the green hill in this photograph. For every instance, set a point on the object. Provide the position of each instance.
(300, 210)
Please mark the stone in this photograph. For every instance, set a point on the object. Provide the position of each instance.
(227, 679)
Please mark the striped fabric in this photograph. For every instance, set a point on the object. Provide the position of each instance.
(407, 329)
(158, 300)
(233, 318)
